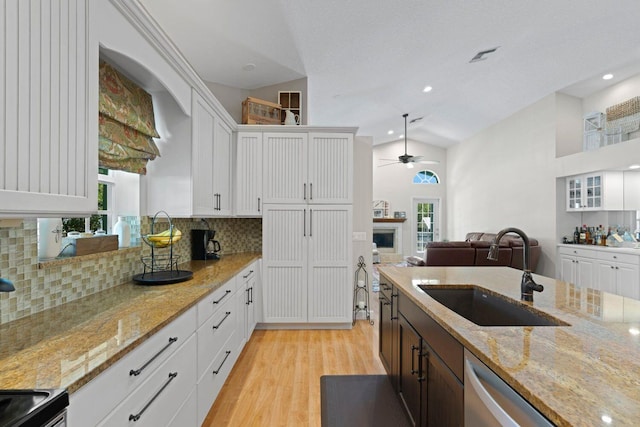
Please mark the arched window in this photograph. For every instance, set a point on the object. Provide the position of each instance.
(426, 177)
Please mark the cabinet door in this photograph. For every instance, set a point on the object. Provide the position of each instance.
(48, 108)
(222, 169)
(567, 269)
(284, 255)
(285, 167)
(586, 274)
(444, 394)
(248, 187)
(593, 192)
(410, 381)
(628, 280)
(607, 277)
(574, 193)
(202, 119)
(330, 274)
(385, 334)
(330, 168)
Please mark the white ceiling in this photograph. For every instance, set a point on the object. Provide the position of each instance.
(367, 61)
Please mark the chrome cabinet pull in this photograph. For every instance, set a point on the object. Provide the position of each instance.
(136, 372)
(223, 319)
(136, 417)
(223, 360)
(227, 292)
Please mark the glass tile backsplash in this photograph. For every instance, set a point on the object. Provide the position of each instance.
(47, 285)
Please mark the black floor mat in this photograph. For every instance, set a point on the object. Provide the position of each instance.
(360, 401)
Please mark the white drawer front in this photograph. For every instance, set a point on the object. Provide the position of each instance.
(90, 404)
(214, 334)
(579, 251)
(187, 415)
(618, 257)
(159, 398)
(216, 374)
(212, 303)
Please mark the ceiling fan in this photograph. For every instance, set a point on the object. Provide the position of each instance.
(406, 158)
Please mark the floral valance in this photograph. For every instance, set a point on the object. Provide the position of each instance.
(126, 123)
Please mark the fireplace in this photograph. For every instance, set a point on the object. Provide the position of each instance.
(388, 237)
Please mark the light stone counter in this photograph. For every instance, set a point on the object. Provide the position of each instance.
(68, 345)
(575, 375)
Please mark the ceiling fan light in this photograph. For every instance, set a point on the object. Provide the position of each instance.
(409, 165)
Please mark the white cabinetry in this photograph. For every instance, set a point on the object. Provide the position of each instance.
(211, 178)
(619, 274)
(310, 167)
(133, 380)
(248, 183)
(578, 266)
(250, 279)
(48, 108)
(307, 269)
(595, 191)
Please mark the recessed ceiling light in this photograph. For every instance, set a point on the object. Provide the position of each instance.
(427, 89)
(607, 77)
(390, 132)
(249, 67)
(634, 167)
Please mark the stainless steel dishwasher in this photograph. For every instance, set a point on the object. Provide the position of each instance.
(489, 401)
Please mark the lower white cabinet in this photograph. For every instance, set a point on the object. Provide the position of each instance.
(173, 378)
(604, 269)
(159, 399)
(619, 274)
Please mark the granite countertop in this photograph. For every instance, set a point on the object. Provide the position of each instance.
(575, 375)
(67, 346)
(621, 250)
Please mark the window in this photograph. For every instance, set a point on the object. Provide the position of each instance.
(103, 219)
(426, 177)
(426, 225)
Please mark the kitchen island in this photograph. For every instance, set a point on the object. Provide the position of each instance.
(585, 374)
(67, 346)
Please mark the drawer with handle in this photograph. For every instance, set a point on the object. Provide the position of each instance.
(212, 302)
(214, 333)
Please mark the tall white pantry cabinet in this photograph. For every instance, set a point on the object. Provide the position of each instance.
(307, 223)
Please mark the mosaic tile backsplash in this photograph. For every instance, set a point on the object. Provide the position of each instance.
(50, 284)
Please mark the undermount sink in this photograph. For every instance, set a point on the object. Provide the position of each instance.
(31, 407)
(487, 309)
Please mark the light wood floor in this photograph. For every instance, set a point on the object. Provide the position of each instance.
(276, 380)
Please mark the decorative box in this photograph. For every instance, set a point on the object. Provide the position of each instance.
(259, 112)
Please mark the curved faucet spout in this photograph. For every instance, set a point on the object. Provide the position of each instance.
(527, 285)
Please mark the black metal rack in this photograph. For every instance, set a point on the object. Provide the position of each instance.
(361, 290)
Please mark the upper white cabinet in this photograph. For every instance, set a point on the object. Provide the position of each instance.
(211, 140)
(48, 108)
(595, 191)
(308, 167)
(248, 182)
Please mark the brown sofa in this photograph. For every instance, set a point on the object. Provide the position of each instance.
(474, 249)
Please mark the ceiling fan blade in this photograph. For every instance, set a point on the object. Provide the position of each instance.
(389, 160)
(387, 164)
(428, 162)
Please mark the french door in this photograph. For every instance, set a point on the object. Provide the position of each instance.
(426, 223)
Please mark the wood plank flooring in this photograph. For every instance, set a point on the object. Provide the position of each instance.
(276, 380)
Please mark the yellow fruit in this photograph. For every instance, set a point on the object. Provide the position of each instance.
(164, 239)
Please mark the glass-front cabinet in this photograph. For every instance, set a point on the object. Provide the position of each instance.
(595, 191)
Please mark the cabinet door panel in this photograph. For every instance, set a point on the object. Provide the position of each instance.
(586, 273)
(284, 290)
(222, 168)
(628, 280)
(385, 334)
(567, 269)
(203, 140)
(49, 108)
(330, 168)
(445, 394)
(329, 263)
(285, 167)
(606, 278)
(249, 174)
(409, 385)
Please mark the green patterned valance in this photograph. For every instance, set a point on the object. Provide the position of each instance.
(126, 123)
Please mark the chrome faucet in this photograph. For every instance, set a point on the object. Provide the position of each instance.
(527, 285)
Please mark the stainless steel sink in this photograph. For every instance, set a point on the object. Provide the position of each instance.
(31, 407)
(488, 309)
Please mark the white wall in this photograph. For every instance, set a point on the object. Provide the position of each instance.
(362, 194)
(394, 183)
(505, 177)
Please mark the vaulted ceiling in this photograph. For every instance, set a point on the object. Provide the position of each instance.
(368, 61)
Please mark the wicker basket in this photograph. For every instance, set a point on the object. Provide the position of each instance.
(623, 109)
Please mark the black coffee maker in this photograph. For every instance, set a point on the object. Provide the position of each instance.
(203, 245)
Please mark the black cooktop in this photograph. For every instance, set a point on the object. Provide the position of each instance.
(31, 408)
